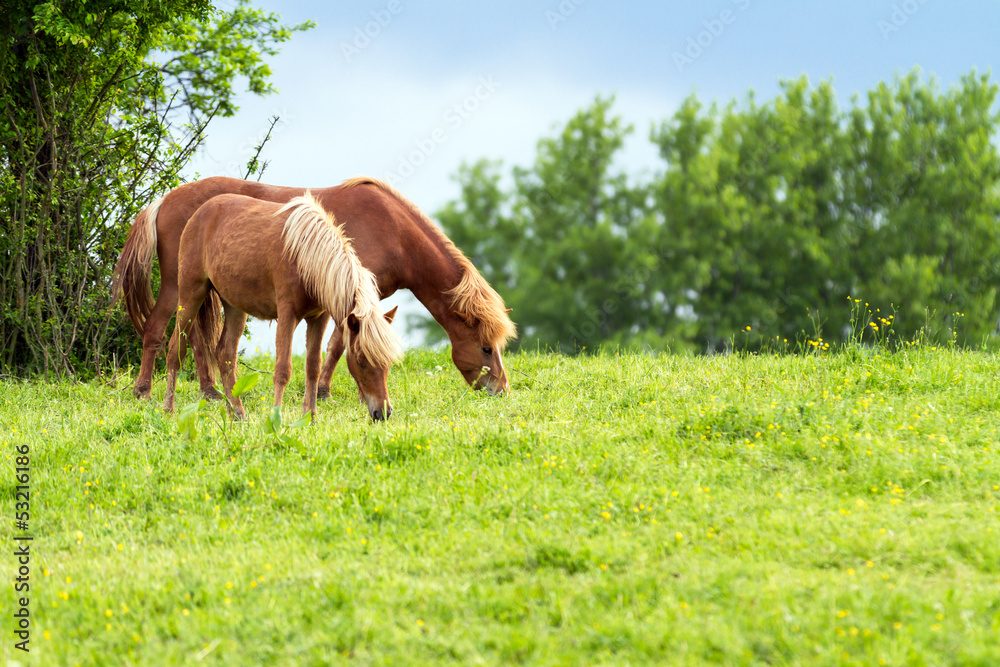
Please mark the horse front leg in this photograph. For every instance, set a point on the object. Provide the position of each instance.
(283, 353)
(314, 347)
(334, 351)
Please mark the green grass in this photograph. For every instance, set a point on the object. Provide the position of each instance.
(834, 510)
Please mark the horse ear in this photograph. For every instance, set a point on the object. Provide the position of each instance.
(391, 314)
(353, 323)
(462, 316)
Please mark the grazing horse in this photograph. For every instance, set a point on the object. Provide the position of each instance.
(391, 236)
(289, 263)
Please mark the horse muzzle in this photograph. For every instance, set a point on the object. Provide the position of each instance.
(494, 386)
(380, 412)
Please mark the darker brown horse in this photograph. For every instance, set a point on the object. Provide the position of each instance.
(394, 240)
(289, 263)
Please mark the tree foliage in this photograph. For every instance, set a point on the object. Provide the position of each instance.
(765, 215)
(564, 245)
(924, 189)
(101, 104)
(749, 207)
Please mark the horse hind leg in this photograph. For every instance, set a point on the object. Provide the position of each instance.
(227, 352)
(190, 301)
(154, 335)
(175, 357)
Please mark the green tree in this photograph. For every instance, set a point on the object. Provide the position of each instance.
(767, 221)
(101, 104)
(752, 223)
(775, 214)
(564, 249)
(925, 195)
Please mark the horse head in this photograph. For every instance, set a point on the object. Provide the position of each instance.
(478, 357)
(369, 359)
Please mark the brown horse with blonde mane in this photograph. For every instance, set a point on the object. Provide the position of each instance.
(391, 236)
(289, 263)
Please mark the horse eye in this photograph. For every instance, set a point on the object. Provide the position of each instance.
(487, 351)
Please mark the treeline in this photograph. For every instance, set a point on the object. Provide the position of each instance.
(771, 216)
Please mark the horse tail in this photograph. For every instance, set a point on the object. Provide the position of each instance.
(132, 277)
(209, 322)
(333, 274)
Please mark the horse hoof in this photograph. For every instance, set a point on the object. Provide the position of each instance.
(142, 392)
(212, 394)
(323, 394)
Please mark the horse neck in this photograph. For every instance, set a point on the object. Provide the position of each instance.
(432, 272)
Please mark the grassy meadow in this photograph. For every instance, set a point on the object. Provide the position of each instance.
(820, 509)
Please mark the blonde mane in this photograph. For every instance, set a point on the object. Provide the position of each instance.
(333, 274)
(473, 296)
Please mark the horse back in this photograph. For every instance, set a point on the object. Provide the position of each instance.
(235, 242)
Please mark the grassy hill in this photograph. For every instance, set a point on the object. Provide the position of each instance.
(632, 509)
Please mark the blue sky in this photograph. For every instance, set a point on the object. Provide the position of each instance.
(408, 90)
